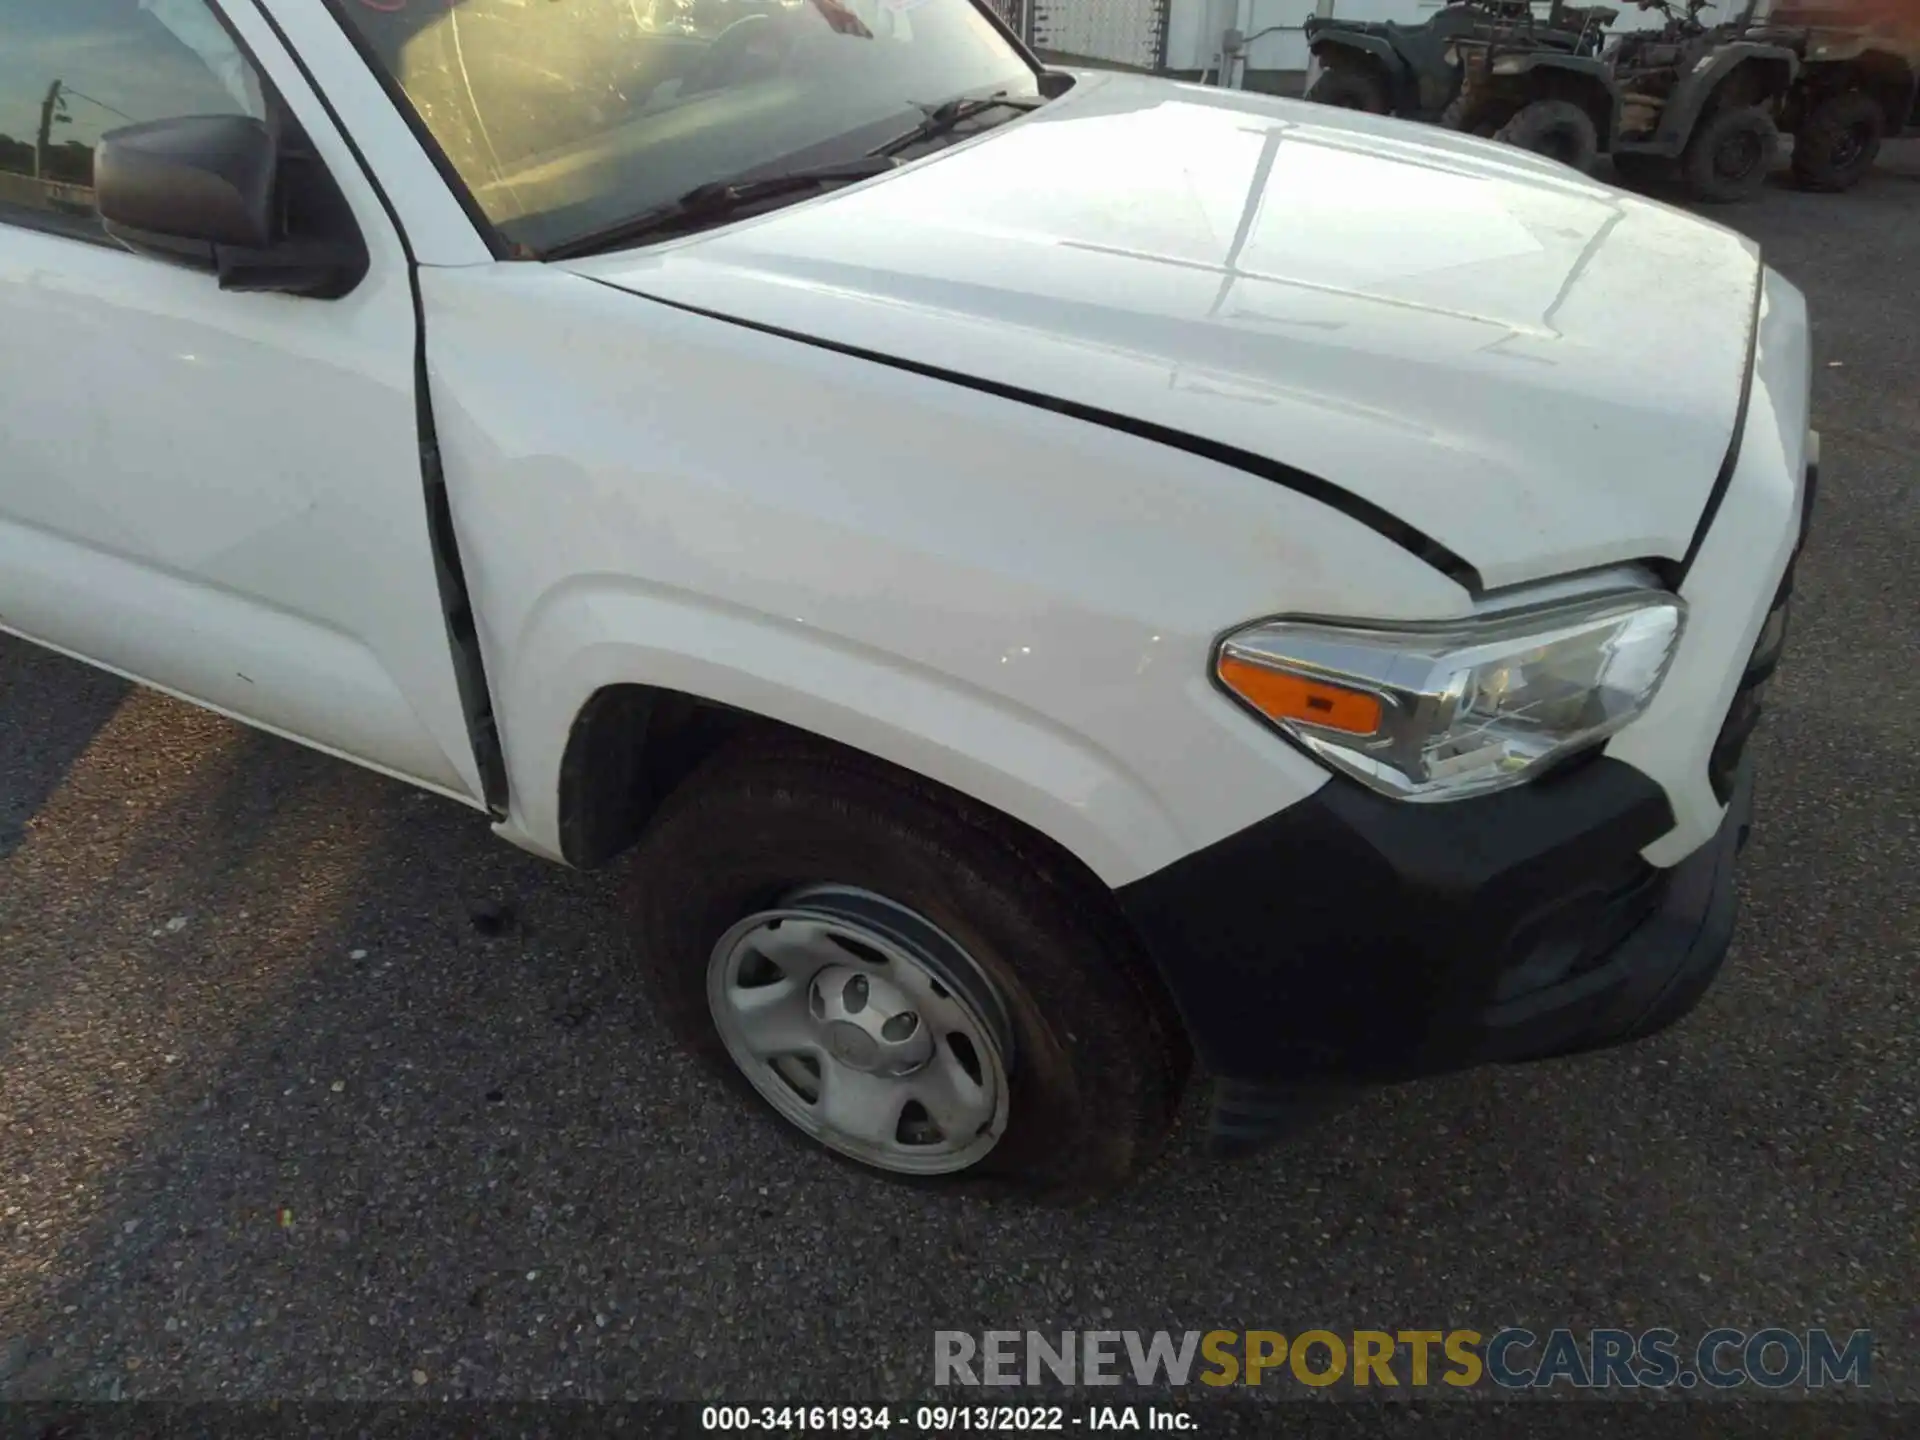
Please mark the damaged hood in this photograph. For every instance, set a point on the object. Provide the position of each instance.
(1539, 372)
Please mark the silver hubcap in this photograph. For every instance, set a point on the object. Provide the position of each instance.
(868, 1027)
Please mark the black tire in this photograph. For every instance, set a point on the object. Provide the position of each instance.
(1461, 116)
(1730, 156)
(1347, 87)
(1838, 142)
(1099, 1056)
(1557, 129)
(1642, 171)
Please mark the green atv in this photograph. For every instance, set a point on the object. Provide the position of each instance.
(1687, 101)
(1483, 66)
(1700, 103)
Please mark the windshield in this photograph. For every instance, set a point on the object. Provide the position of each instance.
(565, 117)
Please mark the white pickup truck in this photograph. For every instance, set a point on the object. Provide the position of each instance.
(1036, 577)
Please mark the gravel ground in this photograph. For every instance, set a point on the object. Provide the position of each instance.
(277, 1120)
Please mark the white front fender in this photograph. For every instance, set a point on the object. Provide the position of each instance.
(590, 636)
(1016, 604)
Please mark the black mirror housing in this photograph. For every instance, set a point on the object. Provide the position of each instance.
(202, 191)
(201, 179)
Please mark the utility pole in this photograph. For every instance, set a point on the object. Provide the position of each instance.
(47, 108)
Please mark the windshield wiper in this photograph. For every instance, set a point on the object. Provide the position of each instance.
(721, 199)
(950, 115)
(718, 200)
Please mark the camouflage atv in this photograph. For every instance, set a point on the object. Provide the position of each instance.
(1700, 103)
(1859, 84)
(1483, 66)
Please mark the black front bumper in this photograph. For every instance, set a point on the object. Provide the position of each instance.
(1354, 940)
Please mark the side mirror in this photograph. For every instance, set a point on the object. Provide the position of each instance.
(181, 187)
(202, 191)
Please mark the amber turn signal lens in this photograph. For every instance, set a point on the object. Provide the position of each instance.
(1280, 696)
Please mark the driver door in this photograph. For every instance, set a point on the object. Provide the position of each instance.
(213, 492)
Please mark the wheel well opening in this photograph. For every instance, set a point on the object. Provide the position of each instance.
(1888, 78)
(1345, 57)
(1756, 81)
(1506, 99)
(1884, 80)
(630, 745)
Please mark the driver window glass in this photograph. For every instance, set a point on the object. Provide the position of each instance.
(71, 70)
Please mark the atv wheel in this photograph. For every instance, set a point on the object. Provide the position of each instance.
(1347, 88)
(1469, 120)
(1838, 142)
(1557, 129)
(1731, 155)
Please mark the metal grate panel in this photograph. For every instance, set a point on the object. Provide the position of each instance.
(1130, 33)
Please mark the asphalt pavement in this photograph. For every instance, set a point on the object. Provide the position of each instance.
(277, 1119)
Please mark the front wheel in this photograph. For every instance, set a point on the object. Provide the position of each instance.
(1558, 129)
(1838, 142)
(1731, 155)
(909, 983)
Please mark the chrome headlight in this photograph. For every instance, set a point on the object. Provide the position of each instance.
(1442, 712)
